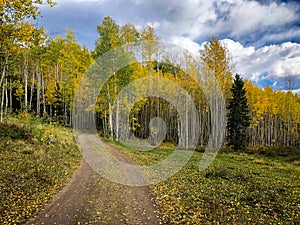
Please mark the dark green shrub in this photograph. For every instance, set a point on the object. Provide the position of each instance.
(14, 131)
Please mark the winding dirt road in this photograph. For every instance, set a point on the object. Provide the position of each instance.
(91, 199)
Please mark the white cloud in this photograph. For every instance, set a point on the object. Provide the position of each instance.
(248, 16)
(237, 49)
(187, 43)
(199, 19)
(274, 61)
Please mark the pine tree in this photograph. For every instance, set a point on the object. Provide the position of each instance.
(238, 118)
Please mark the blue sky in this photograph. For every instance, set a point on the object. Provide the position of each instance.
(263, 37)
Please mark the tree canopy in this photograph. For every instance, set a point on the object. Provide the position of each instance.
(39, 75)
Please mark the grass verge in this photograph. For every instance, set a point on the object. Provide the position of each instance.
(36, 161)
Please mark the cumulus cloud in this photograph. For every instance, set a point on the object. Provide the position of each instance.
(273, 62)
(199, 20)
(237, 49)
(245, 16)
(187, 43)
(256, 22)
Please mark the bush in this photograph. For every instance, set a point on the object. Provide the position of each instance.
(291, 152)
(14, 131)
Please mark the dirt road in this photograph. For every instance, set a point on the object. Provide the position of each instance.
(91, 199)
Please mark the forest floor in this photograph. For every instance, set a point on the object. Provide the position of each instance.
(92, 199)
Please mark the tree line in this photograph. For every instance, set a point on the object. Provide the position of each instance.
(40, 75)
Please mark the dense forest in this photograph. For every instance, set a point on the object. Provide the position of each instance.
(40, 75)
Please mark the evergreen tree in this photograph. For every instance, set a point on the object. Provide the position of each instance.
(238, 118)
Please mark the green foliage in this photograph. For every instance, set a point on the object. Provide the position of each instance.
(144, 158)
(14, 131)
(33, 170)
(238, 118)
(109, 38)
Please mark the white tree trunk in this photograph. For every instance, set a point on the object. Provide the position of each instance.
(2, 103)
(38, 101)
(31, 90)
(6, 96)
(25, 71)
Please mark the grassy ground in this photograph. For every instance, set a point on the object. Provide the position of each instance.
(235, 189)
(36, 161)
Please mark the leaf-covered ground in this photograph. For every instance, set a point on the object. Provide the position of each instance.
(92, 199)
(36, 161)
(235, 189)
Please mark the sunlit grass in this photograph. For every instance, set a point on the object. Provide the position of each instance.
(235, 189)
(145, 158)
